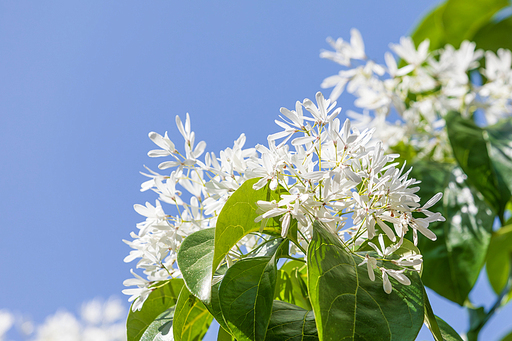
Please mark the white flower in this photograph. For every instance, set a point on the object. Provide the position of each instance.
(385, 251)
(325, 171)
(164, 143)
(371, 263)
(396, 274)
(137, 295)
(346, 51)
(408, 52)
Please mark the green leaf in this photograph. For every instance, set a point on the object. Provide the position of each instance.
(191, 318)
(160, 327)
(214, 304)
(472, 147)
(431, 27)
(430, 319)
(161, 299)
(499, 136)
(195, 262)
(348, 305)
(267, 248)
(237, 218)
(246, 294)
(507, 337)
(292, 323)
(441, 330)
(224, 335)
(495, 35)
(406, 152)
(291, 284)
(462, 18)
(449, 334)
(498, 260)
(453, 262)
(455, 20)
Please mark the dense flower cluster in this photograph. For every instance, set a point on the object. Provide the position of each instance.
(423, 90)
(327, 169)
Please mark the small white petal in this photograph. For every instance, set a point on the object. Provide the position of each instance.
(386, 283)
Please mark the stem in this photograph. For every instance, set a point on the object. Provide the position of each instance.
(299, 246)
(501, 217)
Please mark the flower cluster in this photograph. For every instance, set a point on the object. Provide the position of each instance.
(326, 170)
(423, 90)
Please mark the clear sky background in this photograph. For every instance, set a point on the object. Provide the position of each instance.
(83, 82)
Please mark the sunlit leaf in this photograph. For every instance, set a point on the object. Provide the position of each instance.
(191, 318)
(161, 299)
(237, 218)
(291, 284)
(499, 257)
(160, 328)
(214, 305)
(431, 27)
(195, 262)
(348, 305)
(462, 18)
(455, 20)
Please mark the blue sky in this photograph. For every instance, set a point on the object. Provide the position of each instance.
(82, 84)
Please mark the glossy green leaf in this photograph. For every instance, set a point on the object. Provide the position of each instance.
(348, 305)
(267, 248)
(453, 262)
(455, 20)
(499, 257)
(471, 147)
(495, 35)
(161, 299)
(291, 284)
(292, 323)
(237, 218)
(195, 262)
(159, 329)
(191, 318)
(214, 307)
(246, 294)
